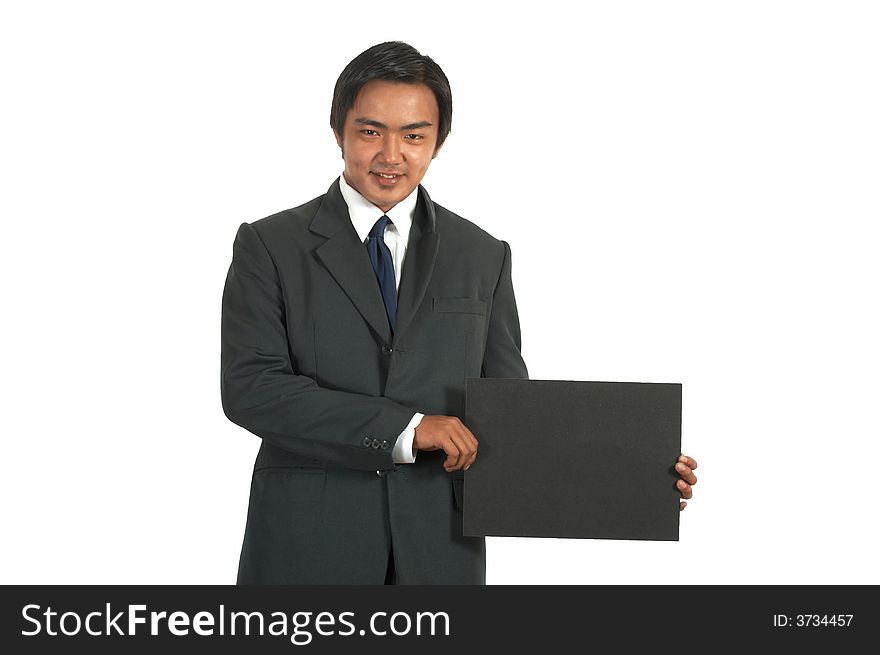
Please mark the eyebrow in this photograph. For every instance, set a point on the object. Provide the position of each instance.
(409, 126)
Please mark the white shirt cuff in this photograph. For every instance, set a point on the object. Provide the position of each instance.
(403, 452)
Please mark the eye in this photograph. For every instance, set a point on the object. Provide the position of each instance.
(371, 132)
(414, 137)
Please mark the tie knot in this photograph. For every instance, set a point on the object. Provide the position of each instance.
(379, 228)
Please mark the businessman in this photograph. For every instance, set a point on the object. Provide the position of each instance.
(349, 325)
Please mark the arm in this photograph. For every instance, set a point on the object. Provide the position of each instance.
(502, 358)
(263, 394)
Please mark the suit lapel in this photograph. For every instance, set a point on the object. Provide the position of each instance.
(347, 261)
(418, 266)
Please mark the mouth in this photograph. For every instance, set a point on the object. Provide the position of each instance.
(386, 179)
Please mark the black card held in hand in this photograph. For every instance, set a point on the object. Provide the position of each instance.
(573, 459)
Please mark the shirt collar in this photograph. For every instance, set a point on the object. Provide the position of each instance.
(364, 214)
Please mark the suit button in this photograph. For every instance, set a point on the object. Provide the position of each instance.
(368, 442)
(387, 350)
(385, 445)
(375, 443)
(382, 474)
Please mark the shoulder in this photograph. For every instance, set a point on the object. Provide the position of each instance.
(463, 234)
(285, 232)
(294, 219)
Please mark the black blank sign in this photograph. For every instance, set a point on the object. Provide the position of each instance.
(573, 459)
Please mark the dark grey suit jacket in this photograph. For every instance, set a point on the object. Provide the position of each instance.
(310, 366)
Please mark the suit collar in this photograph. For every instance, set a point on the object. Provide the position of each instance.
(418, 267)
(333, 214)
(345, 257)
(364, 214)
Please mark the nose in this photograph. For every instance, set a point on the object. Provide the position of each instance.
(391, 151)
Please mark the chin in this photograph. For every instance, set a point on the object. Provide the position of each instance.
(390, 198)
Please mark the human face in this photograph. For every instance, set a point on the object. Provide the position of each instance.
(390, 129)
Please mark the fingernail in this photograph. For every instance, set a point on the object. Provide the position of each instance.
(680, 467)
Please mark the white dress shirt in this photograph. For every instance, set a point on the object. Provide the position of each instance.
(364, 215)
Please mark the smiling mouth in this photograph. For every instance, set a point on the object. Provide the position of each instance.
(387, 176)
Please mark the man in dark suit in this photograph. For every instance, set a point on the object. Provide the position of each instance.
(349, 326)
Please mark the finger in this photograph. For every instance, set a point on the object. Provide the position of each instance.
(449, 444)
(681, 506)
(470, 436)
(452, 454)
(690, 462)
(685, 489)
(469, 452)
(473, 459)
(686, 474)
(464, 438)
(470, 461)
(473, 446)
(463, 451)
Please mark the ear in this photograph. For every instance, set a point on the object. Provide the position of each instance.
(437, 151)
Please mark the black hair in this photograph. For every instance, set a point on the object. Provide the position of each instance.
(394, 61)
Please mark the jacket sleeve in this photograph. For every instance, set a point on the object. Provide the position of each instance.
(502, 357)
(262, 392)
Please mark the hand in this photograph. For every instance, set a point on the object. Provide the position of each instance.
(449, 434)
(685, 468)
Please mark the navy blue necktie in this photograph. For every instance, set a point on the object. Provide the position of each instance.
(383, 266)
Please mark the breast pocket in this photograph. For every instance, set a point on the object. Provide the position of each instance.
(460, 325)
(460, 306)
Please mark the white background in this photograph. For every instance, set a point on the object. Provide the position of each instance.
(690, 191)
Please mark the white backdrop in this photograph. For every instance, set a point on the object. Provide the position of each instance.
(704, 176)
